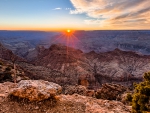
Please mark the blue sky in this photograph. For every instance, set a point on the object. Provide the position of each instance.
(38, 14)
(74, 14)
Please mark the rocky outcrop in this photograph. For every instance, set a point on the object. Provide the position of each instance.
(36, 90)
(47, 74)
(5, 88)
(124, 67)
(87, 81)
(81, 90)
(78, 89)
(7, 73)
(110, 91)
(57, 55)
(83, 104)
(64, 103)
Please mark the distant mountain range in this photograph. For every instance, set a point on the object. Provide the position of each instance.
(24, 42)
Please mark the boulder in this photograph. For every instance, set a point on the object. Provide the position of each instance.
(78, 89)
(36, 90)
(110, 91)
(65, 103)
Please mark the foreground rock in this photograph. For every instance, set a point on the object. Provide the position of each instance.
(78, 89)
(82, 104)
(63, 103)
(111, 91)
(36, 90)
(66, 104)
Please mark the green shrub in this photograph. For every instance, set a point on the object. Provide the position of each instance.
(129, 97)
(141, 97)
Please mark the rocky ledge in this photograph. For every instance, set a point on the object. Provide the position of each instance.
(111, 91)
(60, 104)
(36, 90)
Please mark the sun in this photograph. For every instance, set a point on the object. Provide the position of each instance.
(68, 33)
(68, 30)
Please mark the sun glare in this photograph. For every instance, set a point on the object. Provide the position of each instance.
(68, 30)
(68, 38)
(68, 33)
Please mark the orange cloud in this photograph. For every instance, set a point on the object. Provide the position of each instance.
(115, 14)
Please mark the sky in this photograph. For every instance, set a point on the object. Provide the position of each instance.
(51, 15)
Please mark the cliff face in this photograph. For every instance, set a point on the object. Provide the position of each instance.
(93, 69)
(9, 70)
(121, 65)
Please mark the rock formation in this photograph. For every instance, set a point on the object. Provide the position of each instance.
(36, 90)
(78, 89)
(57, 55)
(63, 103)
(93, 69)
(110, 91)
(66, 65)
(7, 72)
(81, 90)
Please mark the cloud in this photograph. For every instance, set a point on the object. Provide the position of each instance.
(58, 8)
(123, 13)
(68, 8)
(92, 21)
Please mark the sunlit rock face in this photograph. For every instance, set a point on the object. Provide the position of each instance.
(36, 90)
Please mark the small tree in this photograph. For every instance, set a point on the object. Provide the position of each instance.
(141, 97)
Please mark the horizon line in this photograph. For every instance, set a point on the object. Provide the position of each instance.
(82, 30)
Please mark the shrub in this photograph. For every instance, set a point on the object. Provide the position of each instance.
(129, 97)
(141, 97)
